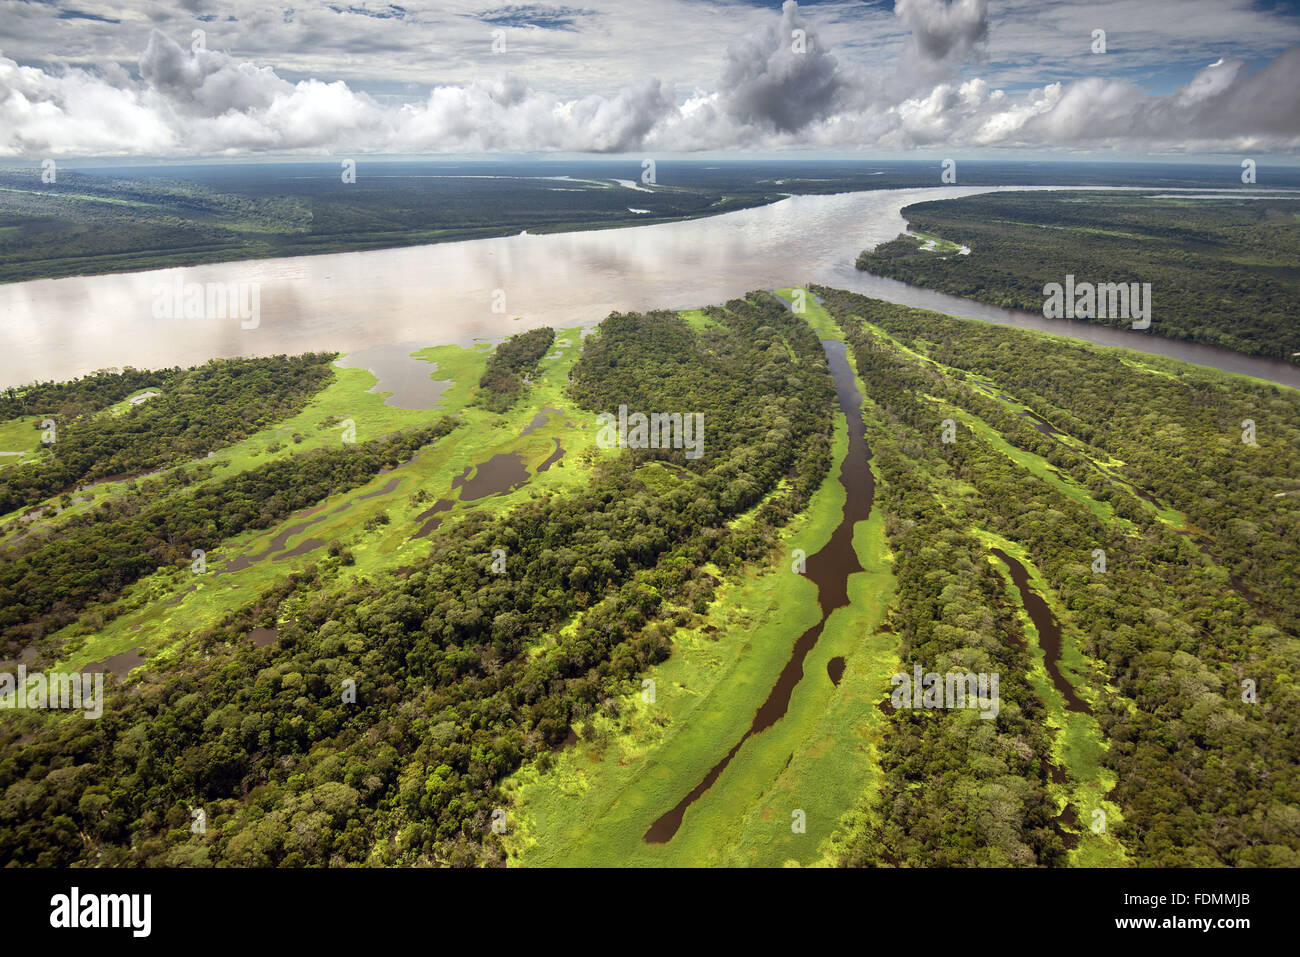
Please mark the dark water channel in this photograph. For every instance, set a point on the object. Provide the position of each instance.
(829, 568)
(500, 474)
(1049, 632)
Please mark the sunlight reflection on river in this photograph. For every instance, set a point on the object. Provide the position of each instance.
(60, 328)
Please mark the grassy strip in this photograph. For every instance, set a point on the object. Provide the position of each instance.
(159, 613)
(1079, 743)
(596, 804)
(20, 435)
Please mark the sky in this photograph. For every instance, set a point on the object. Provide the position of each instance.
(900, 78)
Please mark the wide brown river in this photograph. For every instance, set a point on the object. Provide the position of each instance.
(457, 292)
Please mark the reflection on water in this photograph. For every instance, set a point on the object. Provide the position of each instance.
(261, 637)
(431, 518)
(538, 421)
(60, 328)
(878, 287)
(499, 475)
(1049, 631)
(552, 458)
(386, 489)
(399, 372)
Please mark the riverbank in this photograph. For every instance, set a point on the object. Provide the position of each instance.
(455, 293)
(383, 525)
(813, 756)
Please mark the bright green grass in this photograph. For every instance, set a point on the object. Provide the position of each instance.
(1074, 229)
(85, 197)
(603, 793)
(343, 399)
(940, 245)
(1034, 464)
(150, 620)
(1041, 468)
(818, 318)
(1079, 742)
(19, 435)
(698, 320)
(1106, 463)
(126, 405)
(1030, 461)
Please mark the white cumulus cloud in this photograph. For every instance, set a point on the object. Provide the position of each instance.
(779, 86)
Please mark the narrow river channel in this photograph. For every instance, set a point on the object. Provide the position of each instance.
(829, 568)
(1049, 632)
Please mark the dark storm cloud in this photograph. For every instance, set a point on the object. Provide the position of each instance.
(943, 30)
(81, 15)
(779, 80)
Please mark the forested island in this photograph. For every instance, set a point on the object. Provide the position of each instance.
(1223, 270)
(348, 633)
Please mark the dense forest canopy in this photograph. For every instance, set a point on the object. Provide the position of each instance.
(383, 722)
(1204, 776)
(46, 581)
(510, 366)
(448, 697)
(186, 413)
(1223, 271)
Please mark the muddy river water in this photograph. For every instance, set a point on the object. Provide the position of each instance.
(487, 289)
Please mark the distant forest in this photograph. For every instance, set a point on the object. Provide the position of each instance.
(1225, 272)
(116, 219)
